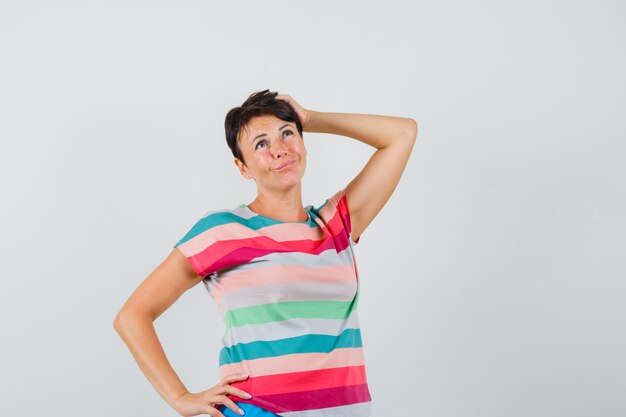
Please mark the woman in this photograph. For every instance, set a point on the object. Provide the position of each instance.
(284, 276)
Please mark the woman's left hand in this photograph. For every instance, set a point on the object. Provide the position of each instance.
(304, 114)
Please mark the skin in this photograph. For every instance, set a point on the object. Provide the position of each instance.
(392, 137)
(279, 197)
(279, 192)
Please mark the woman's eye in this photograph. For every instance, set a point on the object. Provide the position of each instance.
(263, 141)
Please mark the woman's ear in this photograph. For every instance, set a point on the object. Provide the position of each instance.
(243, 169)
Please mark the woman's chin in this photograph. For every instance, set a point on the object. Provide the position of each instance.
(291, 181)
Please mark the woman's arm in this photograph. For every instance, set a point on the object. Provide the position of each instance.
(134, 322)
(393, 137)
(373, 129)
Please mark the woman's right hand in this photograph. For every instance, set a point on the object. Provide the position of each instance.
(303, 114)
(190, 404)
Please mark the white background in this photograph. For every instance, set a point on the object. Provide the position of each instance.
(492, 282)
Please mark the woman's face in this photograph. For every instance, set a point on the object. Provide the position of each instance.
(266, 143)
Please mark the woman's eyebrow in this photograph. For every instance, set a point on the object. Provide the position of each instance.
(264, 134)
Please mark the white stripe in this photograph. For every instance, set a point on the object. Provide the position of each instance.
(294, 291)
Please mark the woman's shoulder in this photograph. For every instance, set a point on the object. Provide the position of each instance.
(211, 219)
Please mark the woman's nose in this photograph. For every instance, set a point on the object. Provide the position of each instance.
(278, 148)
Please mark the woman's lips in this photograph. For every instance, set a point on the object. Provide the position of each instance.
(285, 165)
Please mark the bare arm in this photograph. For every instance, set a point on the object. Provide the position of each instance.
(134, 322)
(393, 137)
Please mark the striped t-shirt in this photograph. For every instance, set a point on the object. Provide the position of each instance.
(288, 294)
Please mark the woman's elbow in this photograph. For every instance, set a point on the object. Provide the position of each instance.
(412, 128)
(124, 317)
(118, 321)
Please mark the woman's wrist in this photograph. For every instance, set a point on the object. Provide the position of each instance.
(312, 122)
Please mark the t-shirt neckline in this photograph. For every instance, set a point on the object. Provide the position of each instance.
(308, 220)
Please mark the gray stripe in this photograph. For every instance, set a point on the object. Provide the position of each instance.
(328, 258)
(243, 212)
(350, 410)
(288, 328)
(296, 291)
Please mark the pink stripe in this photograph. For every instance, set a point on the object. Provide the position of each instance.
(336, 211)
(342, 207)
(296, 362)
(281, 274)
(225, 232)
(240, 251)
(317, 399)
(309, 380)
(215, 248)
(311, 400)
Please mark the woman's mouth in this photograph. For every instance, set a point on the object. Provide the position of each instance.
(285, 165)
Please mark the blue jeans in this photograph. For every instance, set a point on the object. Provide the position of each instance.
(251, 411)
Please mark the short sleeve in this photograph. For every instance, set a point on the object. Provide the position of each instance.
(339, 202)
(197, 245)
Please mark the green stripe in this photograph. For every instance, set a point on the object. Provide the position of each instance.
(267, 313)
